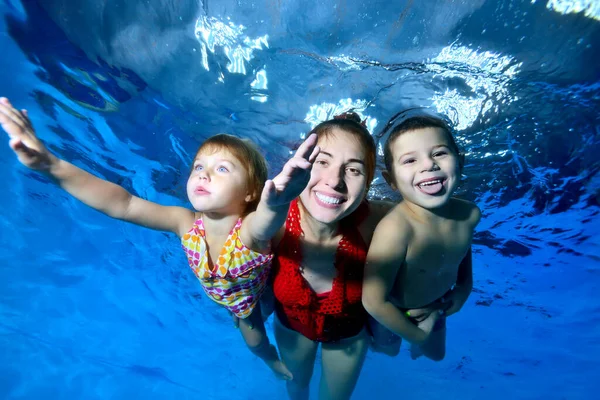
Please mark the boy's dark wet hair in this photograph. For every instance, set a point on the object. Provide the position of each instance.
(412, 124)
(351, 123)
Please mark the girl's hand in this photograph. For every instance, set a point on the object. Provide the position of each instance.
(294, 176)
(29, 149)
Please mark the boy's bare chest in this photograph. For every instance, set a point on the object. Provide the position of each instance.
(432, 261)
(434, 250)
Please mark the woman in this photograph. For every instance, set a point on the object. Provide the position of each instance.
(319, 259)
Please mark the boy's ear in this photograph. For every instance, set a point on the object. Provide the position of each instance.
(389, 179)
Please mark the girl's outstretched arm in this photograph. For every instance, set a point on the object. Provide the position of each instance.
(97, 193)
(261, 225)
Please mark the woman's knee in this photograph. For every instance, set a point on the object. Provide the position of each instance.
(342, 363)
(297, 352)
(297, 392)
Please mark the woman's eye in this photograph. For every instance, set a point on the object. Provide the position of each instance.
(321, 162)
(354, 171)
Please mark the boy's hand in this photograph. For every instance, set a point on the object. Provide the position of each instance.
(29, 149)
(420, 314)
(456, 299)
(428, 323)
(294, 176)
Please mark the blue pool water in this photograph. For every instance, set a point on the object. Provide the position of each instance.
(92, 308)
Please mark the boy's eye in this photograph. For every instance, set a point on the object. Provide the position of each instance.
(440, 153)
(408, 161)
(222, 169)
(197, 167)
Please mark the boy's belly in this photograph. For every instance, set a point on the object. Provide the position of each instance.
(423, 292)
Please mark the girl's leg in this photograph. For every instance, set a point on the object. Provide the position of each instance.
(298, 354)
(255, 335)
(342, 362)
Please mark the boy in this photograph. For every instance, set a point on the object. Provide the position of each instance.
(418, 268)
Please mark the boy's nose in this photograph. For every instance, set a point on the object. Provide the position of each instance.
(430, 165)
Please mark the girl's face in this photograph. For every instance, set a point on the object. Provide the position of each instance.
(218, 184)
(338, 181)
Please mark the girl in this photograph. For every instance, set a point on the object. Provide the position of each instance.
(226, 238)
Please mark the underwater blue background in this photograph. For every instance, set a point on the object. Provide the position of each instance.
(93, 308)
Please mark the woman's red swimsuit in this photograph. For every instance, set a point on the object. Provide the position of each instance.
(325, 317)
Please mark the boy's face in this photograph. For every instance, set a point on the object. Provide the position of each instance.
(218, 183)
(425, 169)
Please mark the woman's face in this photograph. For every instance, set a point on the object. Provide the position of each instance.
(338, 180)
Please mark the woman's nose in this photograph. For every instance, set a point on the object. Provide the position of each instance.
(335, 178)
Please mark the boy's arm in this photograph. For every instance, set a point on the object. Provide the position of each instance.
(464, 279)
(464, 284)
(97, 193)
(386, 255)
(260, 226)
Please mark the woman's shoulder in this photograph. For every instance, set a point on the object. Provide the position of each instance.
(375, 211)
(379, 208)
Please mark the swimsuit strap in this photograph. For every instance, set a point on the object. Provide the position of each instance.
(220, 265)
(334, 300)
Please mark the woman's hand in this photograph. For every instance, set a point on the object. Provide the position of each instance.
(294, 175)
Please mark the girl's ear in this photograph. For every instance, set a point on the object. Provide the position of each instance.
(389, 179)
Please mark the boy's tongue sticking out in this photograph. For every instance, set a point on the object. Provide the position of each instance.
(431, 186)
